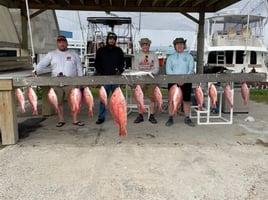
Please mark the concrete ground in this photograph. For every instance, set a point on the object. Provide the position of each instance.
(154, 162)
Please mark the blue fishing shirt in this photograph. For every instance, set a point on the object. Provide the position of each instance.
(180, 63)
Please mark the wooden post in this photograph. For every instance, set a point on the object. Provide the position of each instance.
(200, 43)
(8, 118)
(46, 107)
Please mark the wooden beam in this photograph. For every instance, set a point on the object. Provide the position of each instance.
(24, 28)
(154, 2)
(68, 2)
(37, 13)
(4, 3)
(197, 2)
(125, 2)
(200, 44)
(211, 2)
(129, 8)
(190, 17)
(182, 2)
(111, 2)
(168, 2)
(38, 1)
(223, 4)
(10, 44)
(97, 80)
(139, 2)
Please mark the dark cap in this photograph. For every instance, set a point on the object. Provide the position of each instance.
(111, 35)
(179, 40)
(61, 38)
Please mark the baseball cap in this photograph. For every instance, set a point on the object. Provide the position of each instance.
(179, 40)
(145, 41)
(61, 38)
(112, 35)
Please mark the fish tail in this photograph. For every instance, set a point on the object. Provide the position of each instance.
(90, 113)
(122, 131)
(35, 112)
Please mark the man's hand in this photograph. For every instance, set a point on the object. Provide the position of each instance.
(34, 74)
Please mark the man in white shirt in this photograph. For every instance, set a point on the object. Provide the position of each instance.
(63, 62)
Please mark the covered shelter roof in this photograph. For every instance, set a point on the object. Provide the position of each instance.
(124, 5)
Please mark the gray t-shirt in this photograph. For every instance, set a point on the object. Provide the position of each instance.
(146, 62)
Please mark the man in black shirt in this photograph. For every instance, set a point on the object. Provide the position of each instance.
(109, 61)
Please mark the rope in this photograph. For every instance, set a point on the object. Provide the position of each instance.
(30, 32)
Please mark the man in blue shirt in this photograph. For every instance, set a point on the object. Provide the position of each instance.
(181, 62)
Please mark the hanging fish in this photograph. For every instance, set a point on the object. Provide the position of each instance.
(228, 95)
(158, 98)
(103, 96)
(199, 96)
(139, 98)
(53, 99)
(21, 99)
(75, 100)
(212, 92)
(118, 109)
(33, 100)
(245, 93)
(88, 98)
(175, 98)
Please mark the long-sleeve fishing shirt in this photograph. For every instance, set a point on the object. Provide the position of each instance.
(180, 63)
(67, 63)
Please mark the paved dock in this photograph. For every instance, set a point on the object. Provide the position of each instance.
(153, 162)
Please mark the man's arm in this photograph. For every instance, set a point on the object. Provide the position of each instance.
(79, 67)
(98, 62)
(121, 61)
(191, 65)
(43, 63)
(169, 66)
(156, 65)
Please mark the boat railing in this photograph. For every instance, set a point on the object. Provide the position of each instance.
(232, 39)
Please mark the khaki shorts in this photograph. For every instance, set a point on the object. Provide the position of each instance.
(148, 90)
(63, 93)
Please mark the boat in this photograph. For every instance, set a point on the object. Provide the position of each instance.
(98, 27)
(234, 43)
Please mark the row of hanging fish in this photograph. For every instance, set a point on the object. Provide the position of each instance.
(213, 95)
(118, 106)
(32, 97)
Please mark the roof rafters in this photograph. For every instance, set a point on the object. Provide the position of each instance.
(211, 2)
(182, 2)
(68, 2)
(169, 2)
(198, 2)
(154, 2)
(124, 5)
(139, 2)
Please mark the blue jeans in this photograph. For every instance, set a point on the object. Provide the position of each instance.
(102, 110)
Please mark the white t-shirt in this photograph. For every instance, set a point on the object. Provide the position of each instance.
(146, 62)
(66, 62)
